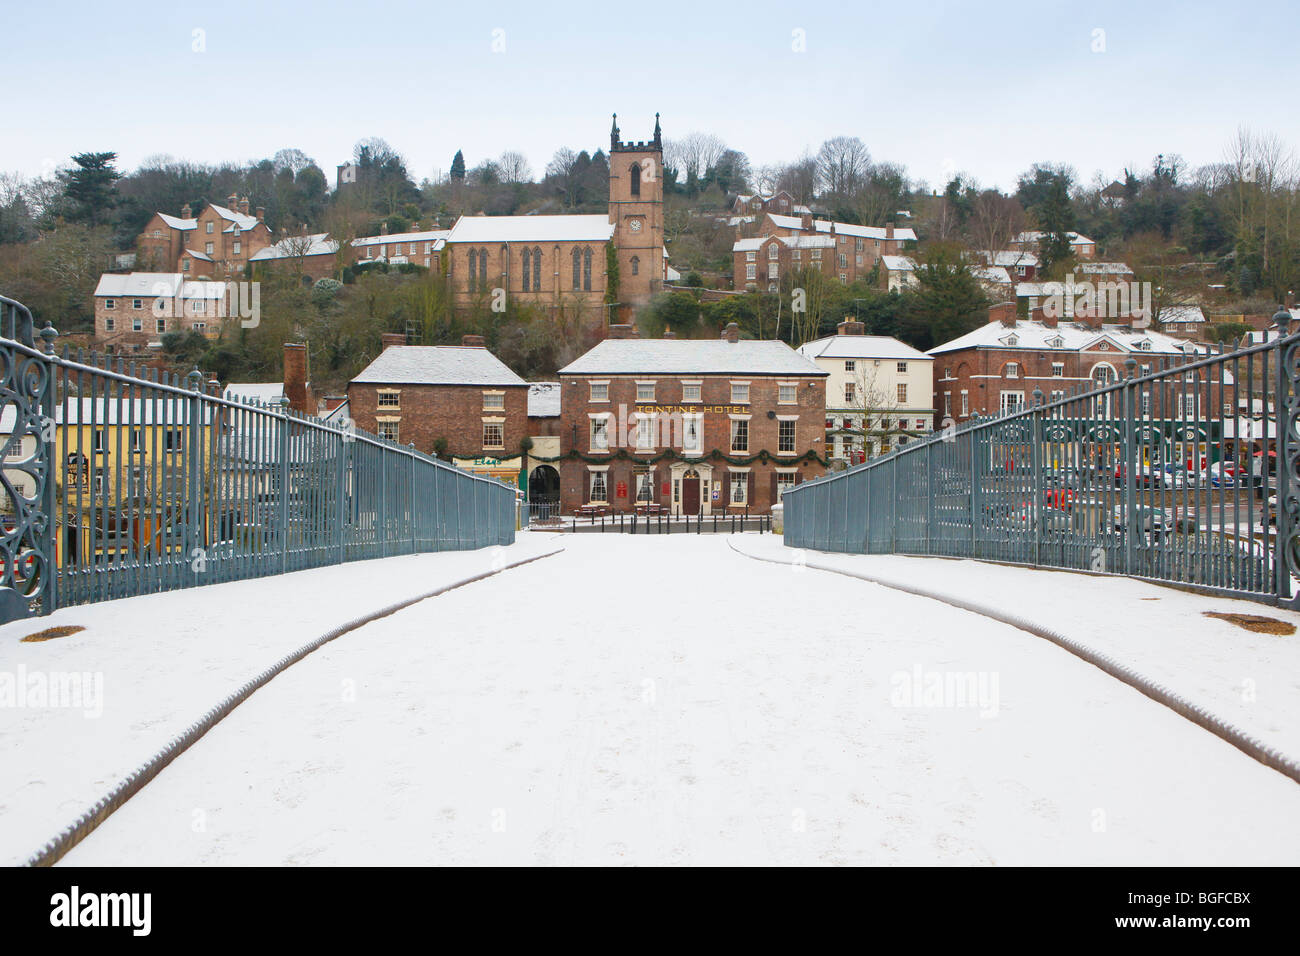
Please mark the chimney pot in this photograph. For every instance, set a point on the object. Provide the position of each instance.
(389, 339)
(187, 212)
(261, 213)
(806, 222)
(231, 201)
(1004, 312)
(243, 206)
(473, 341)
(731, 333)
(851, 327)
(621, 330)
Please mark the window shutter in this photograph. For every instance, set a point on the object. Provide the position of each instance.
(749, 489)
(772, 488)
(586, 491)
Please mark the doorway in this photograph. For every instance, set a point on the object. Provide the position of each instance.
(691, 492)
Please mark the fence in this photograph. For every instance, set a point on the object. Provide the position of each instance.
(118, 482)
(1177, 472)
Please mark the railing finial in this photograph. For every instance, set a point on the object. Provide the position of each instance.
(1283, 318)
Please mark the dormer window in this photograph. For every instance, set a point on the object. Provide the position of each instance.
(1056, 343)
(1011, 340)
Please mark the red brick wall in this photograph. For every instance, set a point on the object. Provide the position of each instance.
(454, 412)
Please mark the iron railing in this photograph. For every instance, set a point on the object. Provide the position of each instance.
(118, 481)
(1182, 471)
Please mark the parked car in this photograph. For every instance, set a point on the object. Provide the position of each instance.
(1169, 476)
(1142, 476)
(1149, 520)
(1218, 475)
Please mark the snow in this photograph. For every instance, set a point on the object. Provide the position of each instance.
(666, 700)
(165, 659)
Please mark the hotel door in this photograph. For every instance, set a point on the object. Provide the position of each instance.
(691, 492)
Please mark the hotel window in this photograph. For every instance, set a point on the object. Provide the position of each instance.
(787, 394)
(645, 486)
(690, 392)
(137, 304)
(965, 403)
(902, 366)
(739, 435)
(493, 435)
(947, 404)
(645, 431)
(1057, 395)
(599, 391)
(785, 436)
(389, 430)
(645, 391)
(388, 399)
(784, 482)
(599, 487)
(494, 401)
(1013, 401)
(1189, 406)
(850, 392)
(1058, 370)
(751, 271)
(739, 487)
(1013, 370)
(902, 392)
(600, 433)
(740, 393)
(691, 433)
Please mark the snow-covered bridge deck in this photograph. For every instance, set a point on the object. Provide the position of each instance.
(656, 700)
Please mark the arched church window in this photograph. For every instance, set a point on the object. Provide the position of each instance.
(635, 173)
(527, 257)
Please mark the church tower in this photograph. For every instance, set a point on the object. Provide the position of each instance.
(636, 210)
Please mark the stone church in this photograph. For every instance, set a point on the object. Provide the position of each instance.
(563, 262)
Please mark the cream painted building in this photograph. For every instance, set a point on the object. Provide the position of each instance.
(879, 393)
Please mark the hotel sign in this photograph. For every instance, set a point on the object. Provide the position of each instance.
(691, 409)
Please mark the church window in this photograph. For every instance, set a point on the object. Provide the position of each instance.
(636, 265)
(635, 173)
(528, 255)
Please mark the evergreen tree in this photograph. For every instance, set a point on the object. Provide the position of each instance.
(89, 189)
(1056, 221)
(458, 167)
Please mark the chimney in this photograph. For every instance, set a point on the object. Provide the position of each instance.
(731, 333)
(243, 206)
(473, 341)
(621, 331)
(851, 327)
(1004, 312)
(187, 212)
(806, 222)
(296, 387)
(303, 229)
(889, 231)
(231, 201)
(390, 339)
(383, 228)
(1040, 315)
(669, 333)
(331, 402)
(261, 214)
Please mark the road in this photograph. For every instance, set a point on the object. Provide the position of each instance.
(664, 700)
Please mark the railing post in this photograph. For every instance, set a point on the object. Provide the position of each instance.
(893, 504)
(929, 484)
(1130, 465)
(976, 516)
(341, 491)
(49, 496)
(284, 483)
(194, 473)
(1286, 398)
(1036, 465)
(411, 445)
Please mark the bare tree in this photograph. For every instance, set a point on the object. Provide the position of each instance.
(695, 153)
(842, 165)
(995, 220)
(513, 167)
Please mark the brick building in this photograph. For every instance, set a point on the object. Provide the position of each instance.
(1081, 247)
(312, 255)
(461, 395)
(214, 244)
(136, 309)
(841, 250)
(688, 426)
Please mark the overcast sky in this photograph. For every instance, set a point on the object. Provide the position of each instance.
(985, 89)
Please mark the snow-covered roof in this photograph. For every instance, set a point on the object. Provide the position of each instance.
(198, 289)
(790, 242)
(473, 229)
(318, 244)
(691, 357)
(198, 255)
(543, 399)
(176, 222)
(1067, 336)
(898, 263)
(264, 393)
(437, 365)
(861, 347)
(1034, 235)
(1182, 313)
(1105, 268)
(992, 274)
(435, 235)
(118, 285)
(1008, 257)
(242, 220)
(841, 228)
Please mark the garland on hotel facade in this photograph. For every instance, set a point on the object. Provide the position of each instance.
(716, 454)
